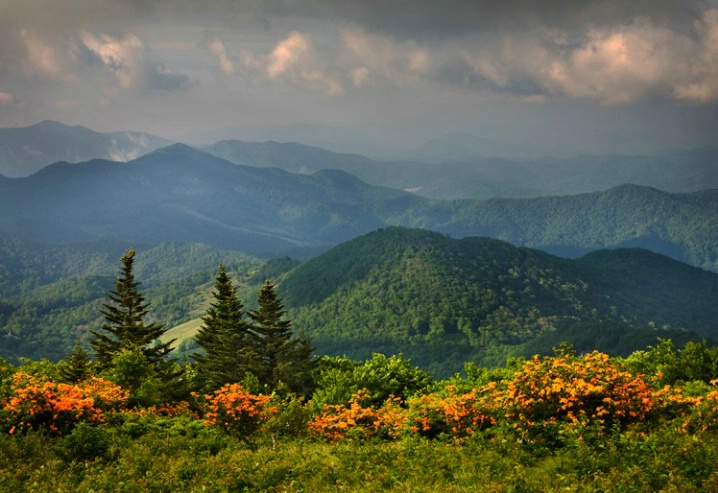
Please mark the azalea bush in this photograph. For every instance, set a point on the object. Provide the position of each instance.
(453, 414)
(359, 419)
(237, 410)
(39, 403)
(589, 391)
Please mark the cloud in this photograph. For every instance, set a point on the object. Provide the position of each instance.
(610, 51)
(217, 48)
(124, 62)
(41, 57)
(286, 54)
(296, 61)
(6, 98)
(702, 81)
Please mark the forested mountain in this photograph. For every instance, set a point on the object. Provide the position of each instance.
(442, 301)
(50, 295)
(183, 195)
(180, 194)
(23, 151)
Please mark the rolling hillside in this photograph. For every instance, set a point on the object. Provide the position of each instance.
(440, 300)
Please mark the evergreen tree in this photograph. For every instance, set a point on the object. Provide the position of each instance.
(77, 367)
(282, 357)
(226, 338)
(124, 328)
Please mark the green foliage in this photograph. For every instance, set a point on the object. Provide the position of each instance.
(125, 327)
(283, 357)
(339, 378)
(695, 362)
(84, 443)
(130, 369)
(260, 443)
(228, 344)
(77, 367)
(442, 301)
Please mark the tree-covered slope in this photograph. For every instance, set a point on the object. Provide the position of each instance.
(50, 296)
(437, 298)
(682, 226)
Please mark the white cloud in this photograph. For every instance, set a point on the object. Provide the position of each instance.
(397, 63)
(124, 61)
(702, 81)
(218, 49)
(288, 53)
(119, 57)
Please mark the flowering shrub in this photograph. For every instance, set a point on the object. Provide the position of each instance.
(455, 415)
(359, 419)
(549, 392)
(699, 413)
(37, 402)
(236, 410)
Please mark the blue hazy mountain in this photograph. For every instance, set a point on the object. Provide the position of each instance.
(25, 150)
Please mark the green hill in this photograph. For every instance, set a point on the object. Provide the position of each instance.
(443, 301)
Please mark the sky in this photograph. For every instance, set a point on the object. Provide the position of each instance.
(550, 77)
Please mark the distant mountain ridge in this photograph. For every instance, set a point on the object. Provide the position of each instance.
(482, 176)
(453, 166)
(24, 151)
(181, 194)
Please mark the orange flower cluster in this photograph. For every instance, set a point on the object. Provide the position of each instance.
(584, 391)
(40, 403)
(546, 396)
(694, 412)
(359, 420)
(236, 410)
(455, 415)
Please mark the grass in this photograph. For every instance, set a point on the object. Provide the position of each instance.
(182, 332)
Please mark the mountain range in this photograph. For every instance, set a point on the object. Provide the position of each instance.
(440, 301)
(444, 301)
(411, 264)
(181, 194)
(453, 166)
(25, 150)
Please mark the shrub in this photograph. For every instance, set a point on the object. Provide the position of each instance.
(455, 415)
(35, 402)
(236, 410)
(359, 419)
(548, 393)
(84, 443)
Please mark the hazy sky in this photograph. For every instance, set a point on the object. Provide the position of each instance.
(586, 75)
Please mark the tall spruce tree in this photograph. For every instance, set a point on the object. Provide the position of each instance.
(282, 357)
(225, 336)
(124, 328)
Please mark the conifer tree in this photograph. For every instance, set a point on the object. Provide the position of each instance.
(77, 367)
(282, 357)
(124, 328)
(225, 336)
